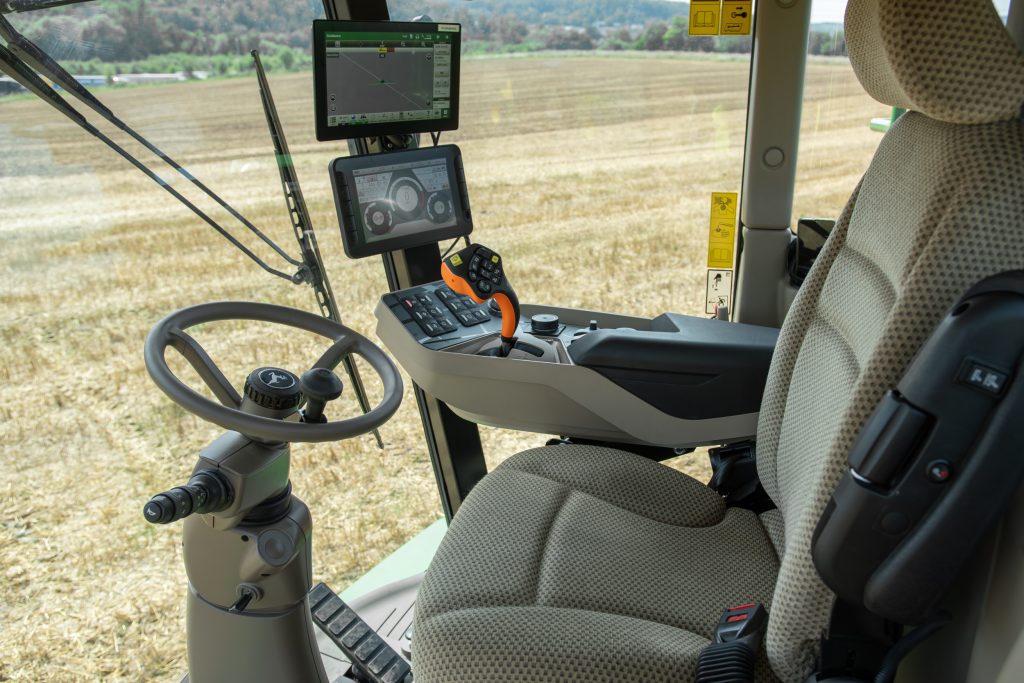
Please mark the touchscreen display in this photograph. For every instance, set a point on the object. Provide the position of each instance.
(384, 78)
(403, 199)
(399, 200)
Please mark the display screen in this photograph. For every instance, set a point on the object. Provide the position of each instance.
(403, 199)
(380, 78)
(400, 199)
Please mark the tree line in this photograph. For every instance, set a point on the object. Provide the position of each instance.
(118, 36)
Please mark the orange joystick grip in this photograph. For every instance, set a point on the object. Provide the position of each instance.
(478, 272)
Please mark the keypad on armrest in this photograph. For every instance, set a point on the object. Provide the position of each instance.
(443, 311)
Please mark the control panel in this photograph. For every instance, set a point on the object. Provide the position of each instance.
(439, 319)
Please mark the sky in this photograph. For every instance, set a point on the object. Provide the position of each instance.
(832, 10)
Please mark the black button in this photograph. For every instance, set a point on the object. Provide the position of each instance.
(467, 301)
(432, 328)
(434, 311)
(473, 277)
(484, 286)
(467, 319)
(421, 315)
(496, 278)
(424, 299)
(446, 324)
(939, 471)
(445, 294)
(482, 315)
(475, 263)
(456, 306)
(983, 377)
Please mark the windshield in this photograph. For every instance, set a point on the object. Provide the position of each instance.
(593, 135)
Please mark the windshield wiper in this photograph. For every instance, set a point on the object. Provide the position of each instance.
(22, 58)
(8, 6)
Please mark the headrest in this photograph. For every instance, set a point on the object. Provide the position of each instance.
(951, 60)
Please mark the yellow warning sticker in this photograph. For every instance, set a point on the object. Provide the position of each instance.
(704, 17)
(722, 229)
(719, 292)
(495, 259)
(456, 260)
(736, 17)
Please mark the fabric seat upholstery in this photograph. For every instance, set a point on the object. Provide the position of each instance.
(565, 562)
(590, 542)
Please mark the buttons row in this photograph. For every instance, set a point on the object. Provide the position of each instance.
(434, 320)
(431, 318)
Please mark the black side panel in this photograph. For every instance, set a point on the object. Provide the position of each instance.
(934, 466)
(690, 368)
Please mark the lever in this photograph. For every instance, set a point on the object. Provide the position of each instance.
(207, 491)
(477, 272)
(319, 386)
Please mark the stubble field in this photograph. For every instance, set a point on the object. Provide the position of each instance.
(590, 174)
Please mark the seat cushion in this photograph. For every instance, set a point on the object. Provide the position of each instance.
(577, 563)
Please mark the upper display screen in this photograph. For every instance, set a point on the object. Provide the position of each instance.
(385, 78)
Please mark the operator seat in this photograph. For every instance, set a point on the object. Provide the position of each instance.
(575, 563)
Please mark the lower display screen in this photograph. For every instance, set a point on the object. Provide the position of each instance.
(404, 199)
(399, 200)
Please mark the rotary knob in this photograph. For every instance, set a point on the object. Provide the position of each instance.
(274, 389)
(544, 324)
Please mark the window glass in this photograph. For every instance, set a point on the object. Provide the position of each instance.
(593, 135)
(841, 124)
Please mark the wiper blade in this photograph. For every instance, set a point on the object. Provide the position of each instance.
(8, 6)
(303, 226)
(23, 74)
(32, 55)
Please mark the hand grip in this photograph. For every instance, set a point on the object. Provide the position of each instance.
(477, 272)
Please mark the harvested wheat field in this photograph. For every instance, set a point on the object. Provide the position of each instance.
(590, 174)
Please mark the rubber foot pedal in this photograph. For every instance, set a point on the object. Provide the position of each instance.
(373, 660)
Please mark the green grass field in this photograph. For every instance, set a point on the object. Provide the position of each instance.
(592, 176)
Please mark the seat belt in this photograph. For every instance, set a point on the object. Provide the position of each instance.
(731, 656)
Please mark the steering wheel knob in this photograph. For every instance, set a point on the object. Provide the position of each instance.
(273, 389)
(321, 383)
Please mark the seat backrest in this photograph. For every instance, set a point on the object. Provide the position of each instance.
(940, 207)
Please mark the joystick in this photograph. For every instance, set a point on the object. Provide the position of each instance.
(477, 272)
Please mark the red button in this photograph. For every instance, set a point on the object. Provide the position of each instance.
(734, 619)
(733, 609)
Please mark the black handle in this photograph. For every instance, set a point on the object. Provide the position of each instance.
(206, 491)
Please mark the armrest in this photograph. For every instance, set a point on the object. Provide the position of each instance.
(687, 367)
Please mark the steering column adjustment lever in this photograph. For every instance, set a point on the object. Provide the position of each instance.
(207, 491)
(478, 272)
(319, 386)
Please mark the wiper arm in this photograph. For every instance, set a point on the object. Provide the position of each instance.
(23, 74)
(32, 55)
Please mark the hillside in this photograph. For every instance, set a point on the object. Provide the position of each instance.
(116, 36)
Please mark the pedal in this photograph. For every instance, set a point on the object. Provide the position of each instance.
(373, 660)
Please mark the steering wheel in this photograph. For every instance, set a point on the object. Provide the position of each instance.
(171, 332)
